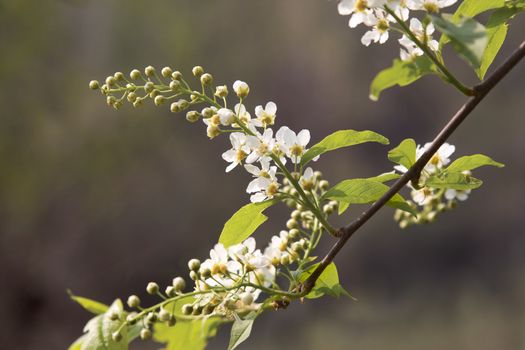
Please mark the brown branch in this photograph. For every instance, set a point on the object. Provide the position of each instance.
(480, 92)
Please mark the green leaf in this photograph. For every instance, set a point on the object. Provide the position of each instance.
(340, 139)
(472, 162)
(90, 305)
(404, 154)
(100, 329)
(241, 330)
(456, 181)
(468, 36)
(244, 222)
(327, 283)
(186, 335)
(343, 206)
(471, 8)
(77, 345)
(385, 177)
(497, 29)
(401, 73)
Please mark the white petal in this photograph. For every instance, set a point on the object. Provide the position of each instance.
(345, 7)
(252, 169)
(258, 197)
(303, 137)
(231, 166)
(229, 155)
(271, 108)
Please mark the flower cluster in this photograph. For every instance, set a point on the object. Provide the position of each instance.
(431, 201)
(381, 16)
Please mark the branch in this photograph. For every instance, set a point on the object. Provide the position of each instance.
(480, 92)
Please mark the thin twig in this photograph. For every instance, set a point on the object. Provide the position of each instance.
(480, 92)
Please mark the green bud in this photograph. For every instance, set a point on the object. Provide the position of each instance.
(152, 288)
(132, 97)
(294, 233)
(151, 317)
(194, 264)
(197, 71)
(183, 104)
(131, 87)
(221, 91)
(174, 107)
(175, 85)
(246, 298)
(116, 336)
(94, 85)
(154, 93)
(296, 214)
(291, 224)
(119, 76)
(285, 259)
(194, 275)
(179, 284)
(328, 209)
(114, 315)
(159, 100)
(208, 112)
(135, 74)
(145, 334)
(206, 79)
(208, 309)
(197, 310)
(149, 87)
(324, 185)
(164, 315)
(192, 116)
(133, 301)
(111, 81)
(166, 72)
(139, 102)
(110, 100)
(296, 247)
(176, 75)
(131, 318)
(318, 175)
(187, 309)
(149, 71)
(170, 291)
(205, 273)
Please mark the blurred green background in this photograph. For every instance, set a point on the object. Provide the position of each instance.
(102, 202)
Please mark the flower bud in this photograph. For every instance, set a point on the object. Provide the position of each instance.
(247, 298)
(208, 112)
(323, 184)
(176, 75)
(294, 233)
(111, 81)
(241, 89)
(174, 107)
(328, 209)
(94, 85)
(151, 317)
(213, 131)
(291, 224)
(175, 85)
(197, 71)
(134, 74)
(114, 315)
(132, 97)
(221, 91)
(159, 100)
(197, 310)
(119, 76)
(205, 273)
(194, 275)
(145, 334)
(164, 315)
(172, 321)
(206, 79)
(152, 288)
(285, 259)
(296, 247)
(208, 309)
(166, 72)
(170, 291)
(139, 102)
(187, 309)
(296, 214)
(179, 284)
(149, 87)
(192, 116)
(194, 264)
(116, 336)
(131, 318)
(149, 71)
(318, 175)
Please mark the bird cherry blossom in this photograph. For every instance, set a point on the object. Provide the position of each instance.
(238, 152)
(266, 115)
(292, 144)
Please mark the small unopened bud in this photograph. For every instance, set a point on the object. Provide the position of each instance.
(110, 100)
(176, 75)
(194, 264)
(187, 309)
(152, 288)
(241, 89)
(116, 336)
(174, 107)
(296, 214)
(94, 85)
(206, 79)
(159, 100)
(145, 334)
(166, 72)
(296, 247)
(131, 318)
(174, 85)
(197, 71)
(247, 298)
(170, 291)
(164, 315)
(221, 91)
(197, 310)
(139, 102)
(208, 309)
(213, 131)
(149, 71)
(114, 315)
(192, 116)
(194, 275)
(111, 81)
(119, 76)
(318, 175)
(323, 184)
(285, 259)
(291, 224)
(294, 233)
(328, 209)
(134, 74)
(151, 317)
(132, 97)
(179, 284)
(149, 87)
(205, 273)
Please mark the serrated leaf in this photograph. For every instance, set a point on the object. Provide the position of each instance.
(186, 335)
(92, 306)
(472, 162)
(404, 154)
(100, 330)
(401, 73)
(326, 284)
(340, 139)
(244, 222)
(456, 181)
(468, 36)
(241, 330)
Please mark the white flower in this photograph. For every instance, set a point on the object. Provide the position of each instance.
(379, 22)
(266, 115)
(261, 145)
(432, 6)
(219, 264)
(422, 196)
(240, 251)
(439, 159)
(241, 88)
(226, 116)
(452, 194)
(307, 180)
(239, 151)
(400, 8)
(242, 114)
(265, 184)
(280, 242)
(410, 51)
(294, 146)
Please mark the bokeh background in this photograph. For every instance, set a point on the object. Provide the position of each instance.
(102, 202)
